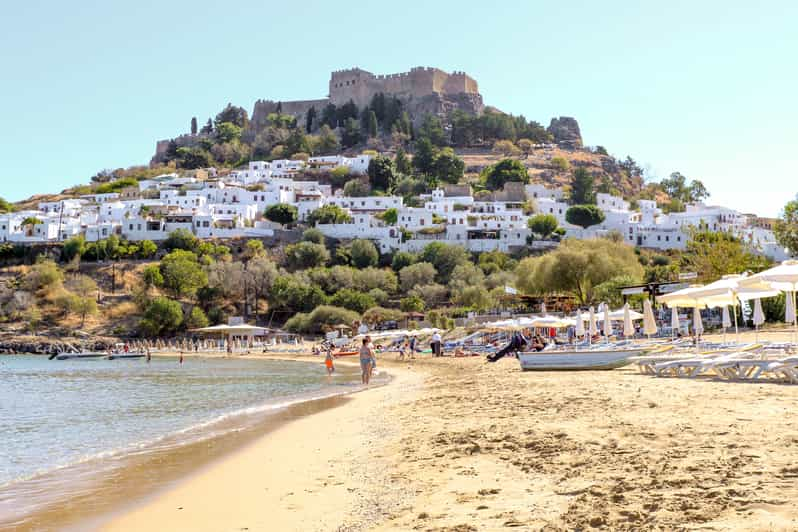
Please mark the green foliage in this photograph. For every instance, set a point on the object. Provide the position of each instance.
(181, 239)
(31, 220)
(313, 235)
(582, 192)
(43, 275)
(786, 228)
(390, 216)
(379, 315)
(469, 130)
(411, 304)
(543, 224)
(381, 173)
(560, 163)
(494, 261)
(584, 215)
(351, 134)
(676, 187)
(151, 276)
(328, 214)
(402, 259)
(424, 156)
(432, 130)
(322, 319)
(713, 254)
(227, 132)
(418, 274)
(196, 319)
(182, 274)
(161, 316)
(234, 115)
(476, 297)
(281, 213)
(147, 249)
(448, 167)
(293, 294)
(73, 247)
(116, 186)
(192, 158)
(303, 255)
(506, 170)
(402, 162)
(352, 300)
(339, 176)
(610, 291)
(773, 308)
(576, 267)
(363, 253)
(5, 206)
(357, 188)
(444, 257)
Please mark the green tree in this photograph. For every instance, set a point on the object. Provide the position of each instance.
(786, 228)
(576, 267)
(357, 188)
(448, 167)
(364, 253)
(295, 295)
(151, 276)
(424, 156)
(303, 255)
(322, 319)
(390, 216)
(313, 235)
(432, 130)
(234, 115)
(161, 316)
(327, 141)
(582, 192)
(543, 224)
(418, 274)
(5, 206)
(182, 274)
(181, 239)
(402, 259)
(372, 124)
(584, 215)
(402, 162)
(281, 213)
(713, 254)
(73, 247)
(227, 132)
(310, 119)
(445, 258)
(351, 133)
(196, 319)
(381, 173)
(411, 304)
(506, 170)
(328, 214)
(476, 297)
(192, 158)
(352, 300)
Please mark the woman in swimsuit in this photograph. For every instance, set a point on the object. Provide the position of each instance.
(366, 356)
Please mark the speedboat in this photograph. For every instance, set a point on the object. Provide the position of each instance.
(598, 358)
(131, 354)
(82, 354)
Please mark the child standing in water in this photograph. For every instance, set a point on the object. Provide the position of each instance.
(328, 361)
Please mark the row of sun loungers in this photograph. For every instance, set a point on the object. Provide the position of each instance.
(748, 362)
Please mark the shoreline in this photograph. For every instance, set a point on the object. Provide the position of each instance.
(129, 478)
(263, 483)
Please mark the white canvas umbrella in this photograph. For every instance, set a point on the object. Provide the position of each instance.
(592, 326)
(543, 307)
(674, 321)
(580, 325)
(759, 317)
(698, 325)
(726, 321)
(620, 314)
(628, 326)
(607, 325)
(783, 277)
(649, 323)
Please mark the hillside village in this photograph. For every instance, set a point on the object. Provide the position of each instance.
(233, 206)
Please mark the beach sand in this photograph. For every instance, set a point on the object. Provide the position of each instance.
(460, 445)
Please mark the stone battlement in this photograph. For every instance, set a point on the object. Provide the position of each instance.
(360, 85)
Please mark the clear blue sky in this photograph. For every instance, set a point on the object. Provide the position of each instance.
(707, 88)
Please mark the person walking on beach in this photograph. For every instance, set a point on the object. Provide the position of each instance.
(366, 358)
(412, 347)
(328, 362)
(436, 344)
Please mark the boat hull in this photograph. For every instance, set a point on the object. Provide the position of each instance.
(575, 360)
(126, 355)
(69, 356)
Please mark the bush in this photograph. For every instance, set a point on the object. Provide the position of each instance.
(304, 255)
(412, 304)
(328, 214)
(357, 188)
(378, 315)
(504, 171)
(281, 213)
(363, 253)
(74, 247)
(313, 235)
(181, 239)
(543, 224)
(352, 300)
(584, 215)
(322, 319)
(402, 259)
(196, 319)
(421, 273)
(162, 316)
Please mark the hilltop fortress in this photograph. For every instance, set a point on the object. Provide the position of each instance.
(360, 86)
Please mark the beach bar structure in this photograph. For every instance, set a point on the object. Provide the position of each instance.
(240, 332)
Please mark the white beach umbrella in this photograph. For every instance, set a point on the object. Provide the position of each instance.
(759, 317)
(783, 277)
(726, 323)
(628, 326)
(543, 308)
(620, 314)
(592, 323)
(607, 325)
(698, 325)
(580, 325)
(674, 320)
(649, 323)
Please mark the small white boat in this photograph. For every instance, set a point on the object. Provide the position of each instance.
(575, 359)
(84, 354)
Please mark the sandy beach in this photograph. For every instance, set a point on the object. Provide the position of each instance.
(460, 445)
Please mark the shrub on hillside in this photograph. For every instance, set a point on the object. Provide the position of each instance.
(322, 319)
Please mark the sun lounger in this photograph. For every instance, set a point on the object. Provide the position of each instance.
(749, 369)
(700, 365)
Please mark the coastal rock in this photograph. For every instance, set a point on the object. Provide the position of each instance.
(565, 130)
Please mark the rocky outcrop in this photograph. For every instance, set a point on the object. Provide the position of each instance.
(565, 131)
(50, 347)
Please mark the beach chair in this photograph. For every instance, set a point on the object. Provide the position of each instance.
(699, 365)
(748, 369)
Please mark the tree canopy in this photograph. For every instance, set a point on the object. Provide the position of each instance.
(584, 215)
(506, 170)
